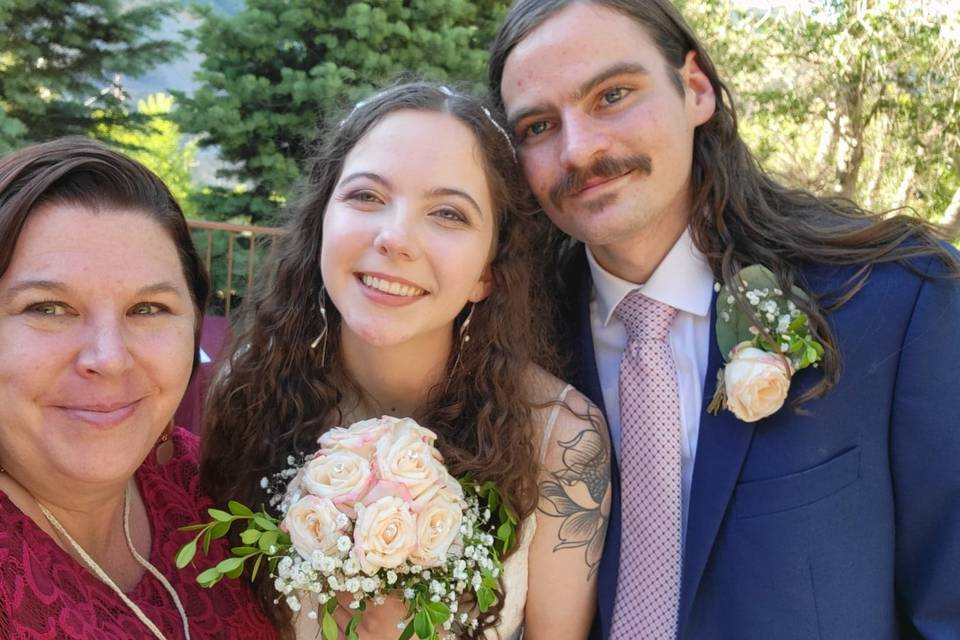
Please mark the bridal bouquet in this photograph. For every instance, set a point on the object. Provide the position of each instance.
(373, 512)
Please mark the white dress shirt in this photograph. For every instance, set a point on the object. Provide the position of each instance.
(684, 281)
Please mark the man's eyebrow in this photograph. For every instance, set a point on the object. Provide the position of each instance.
(616, 69)
(369, 176)
(447, 191)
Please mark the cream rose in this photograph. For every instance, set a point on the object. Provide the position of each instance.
(756, 383)
(312, 524)
(438, 525)
(360, 438)
(384, 535)
(342, 476)
(409, 458)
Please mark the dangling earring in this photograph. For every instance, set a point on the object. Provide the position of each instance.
(164, 450)
(464, 336)
(323, 332)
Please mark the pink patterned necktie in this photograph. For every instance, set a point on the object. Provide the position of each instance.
(648, 583)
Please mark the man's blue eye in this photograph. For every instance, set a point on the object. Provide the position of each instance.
(614, 95)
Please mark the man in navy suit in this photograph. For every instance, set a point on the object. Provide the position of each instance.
(837, 516)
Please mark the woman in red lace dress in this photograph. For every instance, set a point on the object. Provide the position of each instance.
(101, 296)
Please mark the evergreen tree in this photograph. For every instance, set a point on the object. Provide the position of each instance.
(271, 71)
(60, 63)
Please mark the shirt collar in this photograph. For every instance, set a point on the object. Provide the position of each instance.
(683, 280)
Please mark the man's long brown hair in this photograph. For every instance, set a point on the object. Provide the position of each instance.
(273, 398)
(739, 215)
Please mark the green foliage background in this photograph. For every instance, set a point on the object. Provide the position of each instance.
(273, 71)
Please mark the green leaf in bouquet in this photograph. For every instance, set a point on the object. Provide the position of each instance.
(407, 632)
(209, 577)
(250, 536)
(219, 530)
(438, 612)
(243, 552)
(229, 564)
(486, 598)
(352, 627)
(219, 516)
(238, 509)
(265, 522)
(186, 554)
(256, 568)
(422, 625)
(268, 541)
(328, 626)
(193, 527)
(236, 573)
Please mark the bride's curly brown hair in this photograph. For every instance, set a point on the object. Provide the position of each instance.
(273, 398)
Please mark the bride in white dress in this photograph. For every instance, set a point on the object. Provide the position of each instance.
(404, 286)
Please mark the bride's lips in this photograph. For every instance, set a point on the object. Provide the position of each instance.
(101, 415)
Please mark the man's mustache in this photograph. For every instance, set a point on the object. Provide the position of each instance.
(572, 182)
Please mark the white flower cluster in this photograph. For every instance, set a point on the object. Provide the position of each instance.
(463, 571)
(375, 512)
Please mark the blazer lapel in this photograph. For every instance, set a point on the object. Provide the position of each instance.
(722, 445)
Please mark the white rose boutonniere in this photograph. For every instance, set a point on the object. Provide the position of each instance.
(763, 349)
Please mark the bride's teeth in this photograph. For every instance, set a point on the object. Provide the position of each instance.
(393, 288)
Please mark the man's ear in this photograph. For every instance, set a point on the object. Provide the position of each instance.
(701, 101)
(483, 287)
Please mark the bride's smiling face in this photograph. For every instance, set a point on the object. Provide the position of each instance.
(408, 231)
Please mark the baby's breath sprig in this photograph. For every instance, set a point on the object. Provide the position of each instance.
(755, 318)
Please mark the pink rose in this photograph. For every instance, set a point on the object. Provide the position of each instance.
(384, 535)
(312, 524)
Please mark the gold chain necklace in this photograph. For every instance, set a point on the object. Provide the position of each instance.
(102, 575)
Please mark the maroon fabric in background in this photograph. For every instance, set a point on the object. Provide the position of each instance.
(215, 336)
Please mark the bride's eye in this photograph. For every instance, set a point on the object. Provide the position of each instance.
(450, 214)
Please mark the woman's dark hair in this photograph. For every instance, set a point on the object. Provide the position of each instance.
(85, 173)
(274, 398)
(740, 215)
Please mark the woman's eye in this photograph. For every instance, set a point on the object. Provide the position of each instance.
(48, 309)
(147, 309)
(364, 196)
(451, 215)
(614, 95)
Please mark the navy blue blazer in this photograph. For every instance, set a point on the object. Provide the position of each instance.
(843, 523)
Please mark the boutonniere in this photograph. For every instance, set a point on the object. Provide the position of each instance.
(762, 351)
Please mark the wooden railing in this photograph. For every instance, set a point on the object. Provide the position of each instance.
(229, 252)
